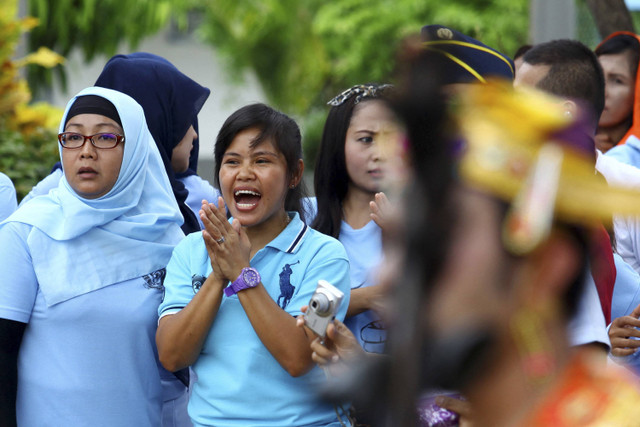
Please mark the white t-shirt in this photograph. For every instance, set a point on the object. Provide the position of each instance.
(626, 229)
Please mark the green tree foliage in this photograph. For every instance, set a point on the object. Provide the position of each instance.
(94, 26)
(27, 159)
(28, 144)
(305, 51)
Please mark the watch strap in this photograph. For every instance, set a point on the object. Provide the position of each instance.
(229, 290)
(240, 284)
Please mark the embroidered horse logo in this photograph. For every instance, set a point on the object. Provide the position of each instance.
(196, 282)
(286, 288)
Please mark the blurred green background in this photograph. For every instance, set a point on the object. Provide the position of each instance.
(302, 52)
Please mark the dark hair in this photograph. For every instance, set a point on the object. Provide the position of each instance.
(522, 50)
(274, 126)
(574, 72)
(619, 44)
(331, 179)
(391, 385)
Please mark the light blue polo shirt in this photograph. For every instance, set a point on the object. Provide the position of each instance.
(239, 382)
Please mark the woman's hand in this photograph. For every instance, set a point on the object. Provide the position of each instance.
(380, 209)
(227, 244)
(338, 347)
(621, 331)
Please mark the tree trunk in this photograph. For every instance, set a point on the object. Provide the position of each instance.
(610, 16)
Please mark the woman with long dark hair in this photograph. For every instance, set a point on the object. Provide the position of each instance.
(349, 176)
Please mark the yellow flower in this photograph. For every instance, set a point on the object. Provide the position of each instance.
(43, 56)
(29, 23)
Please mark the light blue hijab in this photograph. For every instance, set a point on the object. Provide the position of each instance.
(79, 245)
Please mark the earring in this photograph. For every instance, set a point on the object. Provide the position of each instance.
(292, 186)
(567, 113)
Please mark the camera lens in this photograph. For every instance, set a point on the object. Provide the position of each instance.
(320, 303)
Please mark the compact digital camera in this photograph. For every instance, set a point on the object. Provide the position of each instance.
(323, 306)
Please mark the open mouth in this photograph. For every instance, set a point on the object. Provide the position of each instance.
(86, 172)
(246, 199)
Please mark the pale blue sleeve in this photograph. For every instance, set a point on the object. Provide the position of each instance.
(330, 264)
(178, 289)
(49, 182)
(626, 153)
(8, 200)
(626, 291)
(18, 282)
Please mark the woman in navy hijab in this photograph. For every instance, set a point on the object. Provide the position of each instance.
(171, 102)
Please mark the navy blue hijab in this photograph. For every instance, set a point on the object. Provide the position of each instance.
(171, 102)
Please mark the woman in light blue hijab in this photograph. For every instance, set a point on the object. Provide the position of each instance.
(82, 271)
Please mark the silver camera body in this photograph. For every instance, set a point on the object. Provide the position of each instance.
(323, 306)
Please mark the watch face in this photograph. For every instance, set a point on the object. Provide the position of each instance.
(251, 277)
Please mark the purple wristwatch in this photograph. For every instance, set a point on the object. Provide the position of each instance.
(248, 278)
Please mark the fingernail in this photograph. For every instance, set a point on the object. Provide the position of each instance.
(335, 358)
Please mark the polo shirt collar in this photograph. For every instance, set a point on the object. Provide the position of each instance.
(290, 239)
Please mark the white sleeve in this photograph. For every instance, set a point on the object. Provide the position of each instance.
(588, 324)
(626, 230)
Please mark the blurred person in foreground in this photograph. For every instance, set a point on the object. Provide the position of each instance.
(496, 325)
(512, 224)
(469, 62)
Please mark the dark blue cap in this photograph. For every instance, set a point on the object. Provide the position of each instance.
(471, 60)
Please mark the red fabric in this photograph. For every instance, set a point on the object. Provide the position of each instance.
(603, 269)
